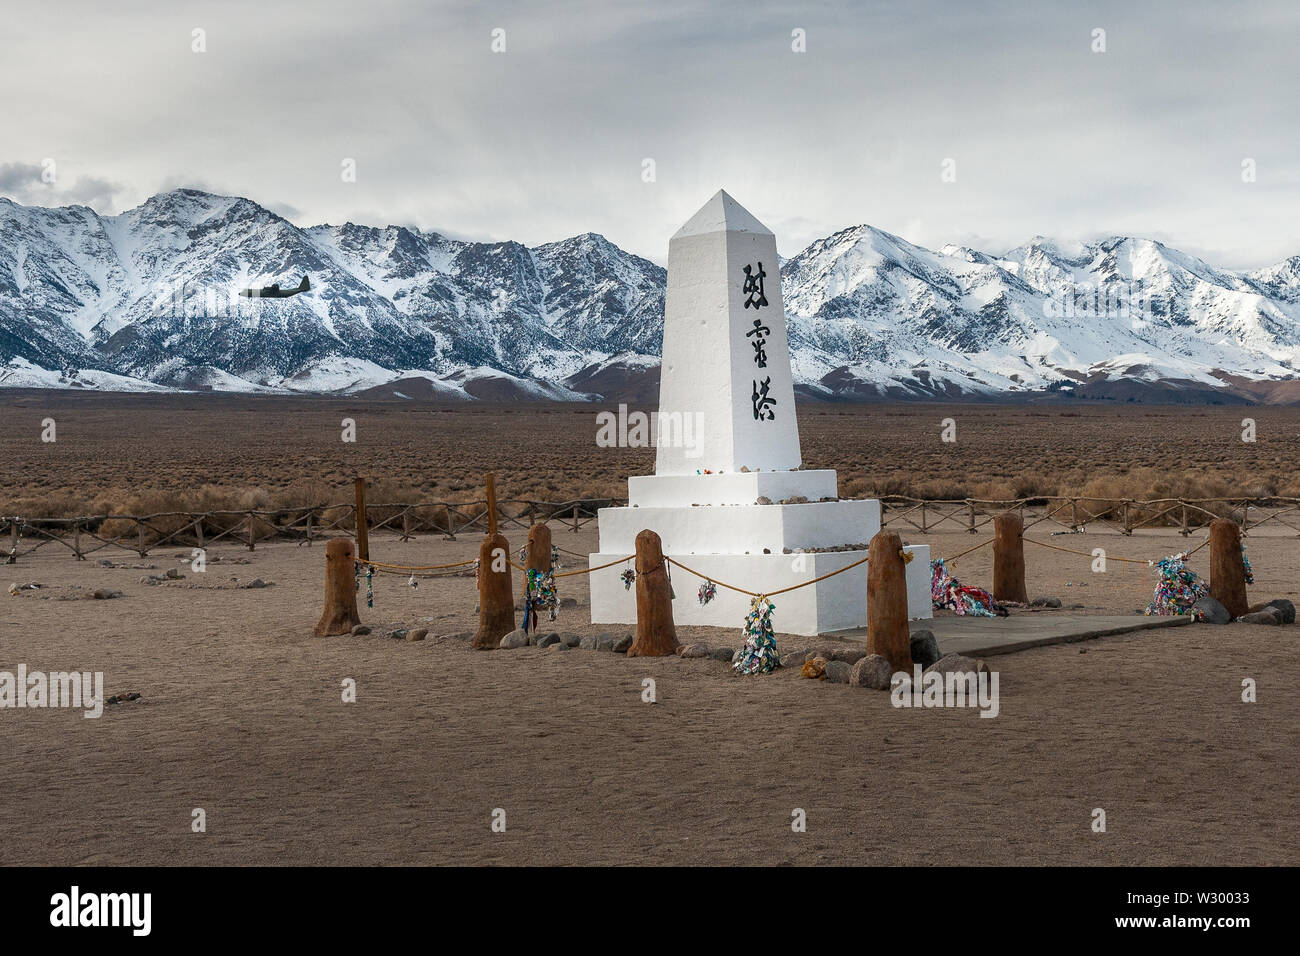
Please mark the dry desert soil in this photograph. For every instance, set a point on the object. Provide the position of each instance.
(241, 714)
(241, 711)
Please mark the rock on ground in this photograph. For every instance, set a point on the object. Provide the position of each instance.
(1287, 609)
(838, 672)
(925, 649)
(954, 663)
(872, 671)
(622, 644)
(1212, 612)
(792, 658)
(513, 640)
(849, 655)
(1270, 615)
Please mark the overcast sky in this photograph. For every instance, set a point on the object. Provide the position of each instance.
(549, 138)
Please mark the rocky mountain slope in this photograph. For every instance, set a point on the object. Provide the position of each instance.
(144, 300)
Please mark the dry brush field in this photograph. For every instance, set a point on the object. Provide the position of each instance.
(144, 454)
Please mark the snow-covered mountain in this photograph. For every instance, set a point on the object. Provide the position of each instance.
(144, 300)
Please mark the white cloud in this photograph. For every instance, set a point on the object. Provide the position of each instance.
(547, 139)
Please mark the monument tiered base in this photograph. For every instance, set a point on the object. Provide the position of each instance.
(713, 524)
(835, 604)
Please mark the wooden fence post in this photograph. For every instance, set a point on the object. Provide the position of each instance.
(249, 525)
(13, 542)
(1227, 569)
(537, 554)
(76, 541)
(490, 480)
(1009, 558)
(496, 599)
(340, 614)
(656, 634)
(139, 528)
(362, 521)
(887, 632)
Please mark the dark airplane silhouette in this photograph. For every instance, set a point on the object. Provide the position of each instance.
(275, 292)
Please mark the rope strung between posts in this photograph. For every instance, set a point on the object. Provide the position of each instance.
(1109, 557)
(566, 574)
(905, 555)
(419, 567)
(966, 552)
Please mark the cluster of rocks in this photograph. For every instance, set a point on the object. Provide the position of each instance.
(122, 565)
(71, 592)
(234, 584)
(1277, 611)
(122, 698)
(411, 634)
(557, 641)
(855, 667)
(217, 558)
(171, 574)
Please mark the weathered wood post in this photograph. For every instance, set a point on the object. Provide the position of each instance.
(656, 634)
(252, 540)
(537, 555)
(496, 599)
(362, 522)
(490, 482)
(76, 541)
(1009, 558)
(1227, 569)
(887, 632)
(340, 614)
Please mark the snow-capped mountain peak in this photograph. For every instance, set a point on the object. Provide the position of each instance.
(150, 296)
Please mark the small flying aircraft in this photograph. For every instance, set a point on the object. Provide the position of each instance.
(274, 291)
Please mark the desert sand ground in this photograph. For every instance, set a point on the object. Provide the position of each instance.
(241, 715)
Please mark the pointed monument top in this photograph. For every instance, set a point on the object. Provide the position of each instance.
(722, 214)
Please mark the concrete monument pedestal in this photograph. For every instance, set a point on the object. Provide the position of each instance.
(728, 498)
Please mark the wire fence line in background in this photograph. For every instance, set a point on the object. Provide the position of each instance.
(84, 535)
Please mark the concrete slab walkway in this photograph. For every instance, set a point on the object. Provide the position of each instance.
(987, 636)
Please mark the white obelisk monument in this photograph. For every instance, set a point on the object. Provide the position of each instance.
(728, 497)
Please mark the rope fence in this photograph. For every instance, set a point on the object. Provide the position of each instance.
(85, 535)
